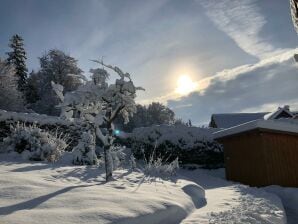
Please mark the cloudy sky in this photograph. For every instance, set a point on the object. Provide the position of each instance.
(237, 56)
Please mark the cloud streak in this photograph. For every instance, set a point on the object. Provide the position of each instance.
(244, 23)
(261, 86)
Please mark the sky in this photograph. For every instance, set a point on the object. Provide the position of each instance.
(238, 55)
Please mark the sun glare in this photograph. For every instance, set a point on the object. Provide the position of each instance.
(185, 85)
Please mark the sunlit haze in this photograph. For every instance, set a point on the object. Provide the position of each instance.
(185, 85)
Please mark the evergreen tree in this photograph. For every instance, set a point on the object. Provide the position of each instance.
(10, 97)
(17, 58)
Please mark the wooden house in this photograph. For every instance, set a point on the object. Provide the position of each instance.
(261, 152)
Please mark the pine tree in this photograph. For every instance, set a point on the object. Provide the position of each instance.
(17, 58)
(10, 97)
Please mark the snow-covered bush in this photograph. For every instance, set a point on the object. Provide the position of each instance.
(119, 156)
(84, 152)
(34, 143)
(73, 128)
(191, 145)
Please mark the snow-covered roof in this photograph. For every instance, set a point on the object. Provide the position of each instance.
(285, 111)
(234, 119)
(283, 125)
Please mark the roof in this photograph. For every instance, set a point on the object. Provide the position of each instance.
(283, 125)
(280, 112)
(234, 119)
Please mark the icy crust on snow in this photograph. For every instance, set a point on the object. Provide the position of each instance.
(286, 125)
(47, 193)
(181, 135)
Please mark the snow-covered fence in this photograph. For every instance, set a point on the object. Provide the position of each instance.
(191, 144)
(73, 128)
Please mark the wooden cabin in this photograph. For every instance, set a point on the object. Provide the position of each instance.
(261, 152)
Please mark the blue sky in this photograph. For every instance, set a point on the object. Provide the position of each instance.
(235, 51)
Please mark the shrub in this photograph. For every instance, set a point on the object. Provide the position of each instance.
(190, 144)
(35, 143)
(84, 152)
(157, 167)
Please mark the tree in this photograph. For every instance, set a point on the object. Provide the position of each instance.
(60, 68)
(32, 94)
(294, 12)
(153, 114)
(160, 114)
(10, 96)
(100, 103)
(17, 58)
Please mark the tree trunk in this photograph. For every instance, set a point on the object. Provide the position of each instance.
(108, 163)
(107, 153)
(107, 142)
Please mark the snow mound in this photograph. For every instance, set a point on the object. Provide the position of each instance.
(47, 193)
(197, 194)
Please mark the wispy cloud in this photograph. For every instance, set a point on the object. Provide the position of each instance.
(261, 86)
(243, 22)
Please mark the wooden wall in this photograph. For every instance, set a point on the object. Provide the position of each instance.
(281, 158)
(261, 158)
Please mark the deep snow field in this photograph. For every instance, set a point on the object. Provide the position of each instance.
(37, 192)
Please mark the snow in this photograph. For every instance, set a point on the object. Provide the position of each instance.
(285, 125)
(181, 135)
(289, 197)
(276, 113)
(50, 193)
(34, 118)
(228, 202)
(59, 193)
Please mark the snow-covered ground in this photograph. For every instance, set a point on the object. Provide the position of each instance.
(34, 192)
(289, 197)
(228, 202)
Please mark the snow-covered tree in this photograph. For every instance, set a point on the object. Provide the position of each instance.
(17, 58)
(294, 11)
(99, 103)
(10, 97)
(60, 68)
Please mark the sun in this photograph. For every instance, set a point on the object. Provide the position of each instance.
(185, 85)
